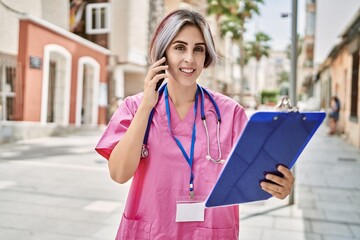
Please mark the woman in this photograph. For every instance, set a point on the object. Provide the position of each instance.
(334, 115)
(178, 166)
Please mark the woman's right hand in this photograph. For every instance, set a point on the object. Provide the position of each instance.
(153, 76)
(125, 157)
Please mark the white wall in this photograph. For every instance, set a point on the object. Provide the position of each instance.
(138, 31)
(54, 11)
(118, 41)
(129, 30)
(9, 23)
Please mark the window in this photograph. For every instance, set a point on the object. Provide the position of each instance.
(310, 23)
(354, 85)
(97, 18)
(7, 91)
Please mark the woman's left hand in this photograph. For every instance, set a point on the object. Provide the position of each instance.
(282, 186)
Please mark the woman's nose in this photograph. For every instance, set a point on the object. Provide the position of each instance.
(189, 57)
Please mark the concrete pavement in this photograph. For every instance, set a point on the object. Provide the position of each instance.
(327, 197)
(58, 188)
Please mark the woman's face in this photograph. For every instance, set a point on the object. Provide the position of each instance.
(186, 56)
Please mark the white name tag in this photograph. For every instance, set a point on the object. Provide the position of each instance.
(190, 211)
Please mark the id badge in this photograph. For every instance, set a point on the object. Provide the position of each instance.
(190, 210)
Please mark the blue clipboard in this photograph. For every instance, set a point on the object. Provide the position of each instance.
(269, 139)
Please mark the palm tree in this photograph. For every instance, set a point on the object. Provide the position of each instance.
(257, 49)
(218, 8)
(232, 15)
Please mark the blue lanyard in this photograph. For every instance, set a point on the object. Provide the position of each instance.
(202, 91)
(189, 159)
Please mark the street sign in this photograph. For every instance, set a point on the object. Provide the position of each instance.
(35, 62)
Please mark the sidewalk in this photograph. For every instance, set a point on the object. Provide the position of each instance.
(327, 197)
(59, 189)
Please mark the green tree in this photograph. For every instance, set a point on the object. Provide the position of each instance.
(283, 76)
(300, 42)
(257, 49)
(269, 97)
(283, 82)
(232, 15)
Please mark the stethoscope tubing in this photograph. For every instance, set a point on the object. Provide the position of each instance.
(203, 91)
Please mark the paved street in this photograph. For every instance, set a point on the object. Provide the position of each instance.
(327, 197)
(58, 188)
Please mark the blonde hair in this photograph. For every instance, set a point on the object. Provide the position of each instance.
(171, 25)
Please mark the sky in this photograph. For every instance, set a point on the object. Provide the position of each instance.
(270, 22)
(332, 17)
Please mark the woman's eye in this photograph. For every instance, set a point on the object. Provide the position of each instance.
(180, 47)
(199, 49)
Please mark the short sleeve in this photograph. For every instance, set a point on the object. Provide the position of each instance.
(118, 125)
(240, 121)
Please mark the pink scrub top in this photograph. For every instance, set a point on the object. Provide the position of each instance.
(163, 177)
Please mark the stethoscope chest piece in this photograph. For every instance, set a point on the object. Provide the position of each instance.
(144, 151)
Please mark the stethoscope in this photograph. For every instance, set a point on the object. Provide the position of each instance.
(203, 91)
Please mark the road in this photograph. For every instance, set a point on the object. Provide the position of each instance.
(58, 188)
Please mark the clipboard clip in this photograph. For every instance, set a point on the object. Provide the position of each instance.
(285, 105)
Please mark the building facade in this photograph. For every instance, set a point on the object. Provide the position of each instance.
(127, 36)
(51, 80)
(60, 76)
(267, 73)
(306, 66)
(339, 76)
(89, 53)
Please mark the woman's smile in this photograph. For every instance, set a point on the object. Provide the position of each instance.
(187, 70)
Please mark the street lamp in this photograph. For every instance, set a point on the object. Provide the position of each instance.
(293, 52)
(293, 71)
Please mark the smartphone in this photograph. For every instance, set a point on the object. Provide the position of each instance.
(158, 84)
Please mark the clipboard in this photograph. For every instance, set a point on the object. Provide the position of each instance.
(269, 139)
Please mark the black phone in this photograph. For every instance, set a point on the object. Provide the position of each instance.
(158, 84)
(276, 172)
